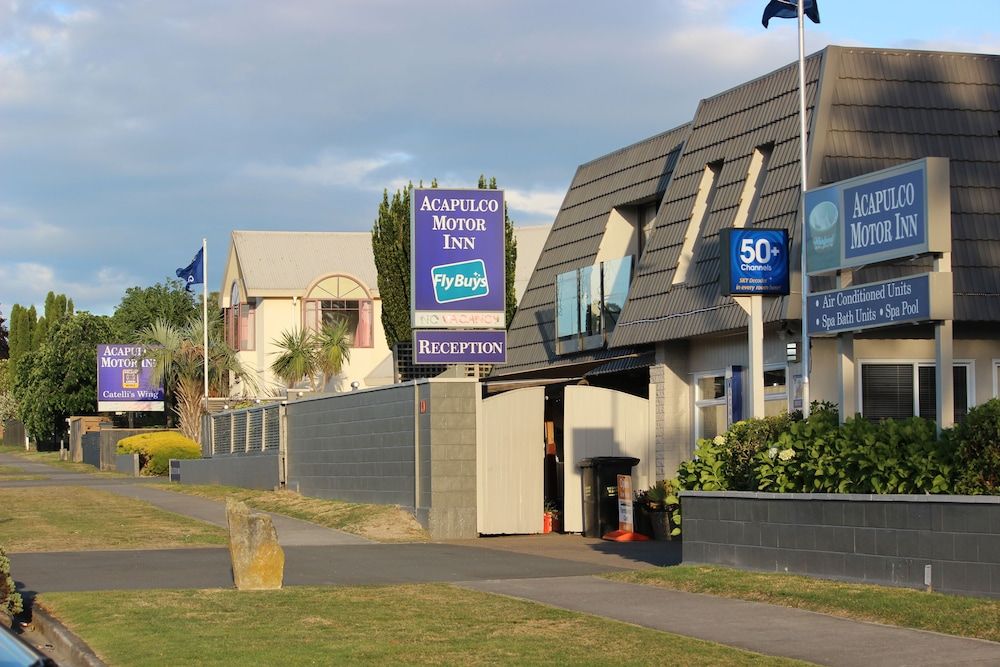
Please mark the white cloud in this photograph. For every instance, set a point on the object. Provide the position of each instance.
(330, 169)
(22, 231)
(543, 204)
(98, 292)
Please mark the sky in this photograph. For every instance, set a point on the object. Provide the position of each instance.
(130, 130)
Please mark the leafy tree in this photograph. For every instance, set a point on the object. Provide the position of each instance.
(296, 358)
(141, 306)
(391, 248)
(178, 353)
(304, 355)
(58, 307)
(59, 379)
(22, 328)
(4, 346)
(8, 404)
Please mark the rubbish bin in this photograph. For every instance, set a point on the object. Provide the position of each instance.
(600, 492)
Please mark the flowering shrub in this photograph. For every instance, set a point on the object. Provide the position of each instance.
(156, 449)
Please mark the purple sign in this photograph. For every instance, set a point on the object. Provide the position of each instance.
(913, 299)
(124, 380)
(457, 257)
(459, 347)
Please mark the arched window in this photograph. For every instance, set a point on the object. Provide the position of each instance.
(239, 321)
(340, 298)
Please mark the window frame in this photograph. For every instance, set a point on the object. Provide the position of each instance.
(916, 365)
(783, 396)
(699, 402)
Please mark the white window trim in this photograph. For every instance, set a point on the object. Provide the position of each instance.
(700, 402)
(996, 370)
(778, 397)
(970, 379)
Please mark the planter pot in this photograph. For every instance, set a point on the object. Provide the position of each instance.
(546, 523)
(660, 522)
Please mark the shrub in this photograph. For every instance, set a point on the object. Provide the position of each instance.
(156, 449)
(977, 443)
(10, 599)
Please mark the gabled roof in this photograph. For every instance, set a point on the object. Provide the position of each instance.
(628, 175)
(868, 109)
(286, 263)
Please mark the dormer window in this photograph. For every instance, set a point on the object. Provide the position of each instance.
(589, 302)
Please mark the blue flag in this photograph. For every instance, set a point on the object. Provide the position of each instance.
(789, 9)
(193, 273)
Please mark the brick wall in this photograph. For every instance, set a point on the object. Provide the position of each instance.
(875, 539)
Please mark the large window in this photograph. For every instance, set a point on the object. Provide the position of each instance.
(775, 390)
(589, 302)
(341, 299)
(901, 390)
(710, 411)
(239, 321)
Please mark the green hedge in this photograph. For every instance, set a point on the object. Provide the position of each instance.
(818, 455)
(156, 449)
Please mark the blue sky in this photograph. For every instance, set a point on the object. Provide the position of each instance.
(130, 130)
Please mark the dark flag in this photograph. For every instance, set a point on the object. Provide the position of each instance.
(789, 9)
(193, 273)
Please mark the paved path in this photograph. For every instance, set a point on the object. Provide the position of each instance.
(557, 570)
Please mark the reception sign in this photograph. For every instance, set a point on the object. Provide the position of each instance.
(458, 259)
(124, 380)
(897, 212)
(459, 347)
(918, 298)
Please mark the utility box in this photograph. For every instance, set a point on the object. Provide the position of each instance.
(600, 492)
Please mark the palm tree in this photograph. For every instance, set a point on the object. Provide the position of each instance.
(178, 354)
(297, 358)
(333, 347)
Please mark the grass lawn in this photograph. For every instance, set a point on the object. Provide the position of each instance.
(948, 614)
(414, 624)
(57, 518)
(15, 474)
(52, 459)
(382, 523)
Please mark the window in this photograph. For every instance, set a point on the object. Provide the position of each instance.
(710, 412)
(239, 321)
(589, 302)
(996, 378)
(775, 391)
(902, 390)
(341, 299)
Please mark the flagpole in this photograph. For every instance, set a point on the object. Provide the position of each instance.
(802, 208)
(204, 311)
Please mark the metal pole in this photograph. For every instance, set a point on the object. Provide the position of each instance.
(204, 311)
(802, 208)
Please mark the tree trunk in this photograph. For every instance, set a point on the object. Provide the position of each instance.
(189, 408)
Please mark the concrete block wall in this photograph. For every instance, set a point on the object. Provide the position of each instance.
(874, 539)
(451, 432)
(247, 472)
(357, 446)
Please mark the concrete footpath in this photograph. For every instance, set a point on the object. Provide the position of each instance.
(557, 570)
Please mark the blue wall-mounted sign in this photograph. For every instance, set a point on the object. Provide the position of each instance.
(459, 347)
(900, 211)
(754, 261)
(927, 296)
(457, 257)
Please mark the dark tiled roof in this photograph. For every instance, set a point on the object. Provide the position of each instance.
(624, 177)
(727, 128)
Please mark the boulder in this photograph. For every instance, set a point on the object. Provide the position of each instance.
(258, 560)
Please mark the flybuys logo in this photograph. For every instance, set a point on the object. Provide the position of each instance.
(460, 281)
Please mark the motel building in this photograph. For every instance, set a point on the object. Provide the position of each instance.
(632, 338)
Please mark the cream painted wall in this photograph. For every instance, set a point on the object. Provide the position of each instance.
(620, 236)
(277, 314)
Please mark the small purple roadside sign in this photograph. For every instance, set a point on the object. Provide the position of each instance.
(457, 257)
(124, 380)
(459, 347)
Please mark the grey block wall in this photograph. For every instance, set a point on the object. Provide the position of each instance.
(127, 464)
(92, 451)
(356, 446)
(449, 426)
(248, 472)
(874, 539)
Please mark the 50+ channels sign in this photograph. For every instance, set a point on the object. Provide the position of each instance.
(754, 261)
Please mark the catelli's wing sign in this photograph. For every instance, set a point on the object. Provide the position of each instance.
(124, 380)
(457, 259)
(900, 211)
